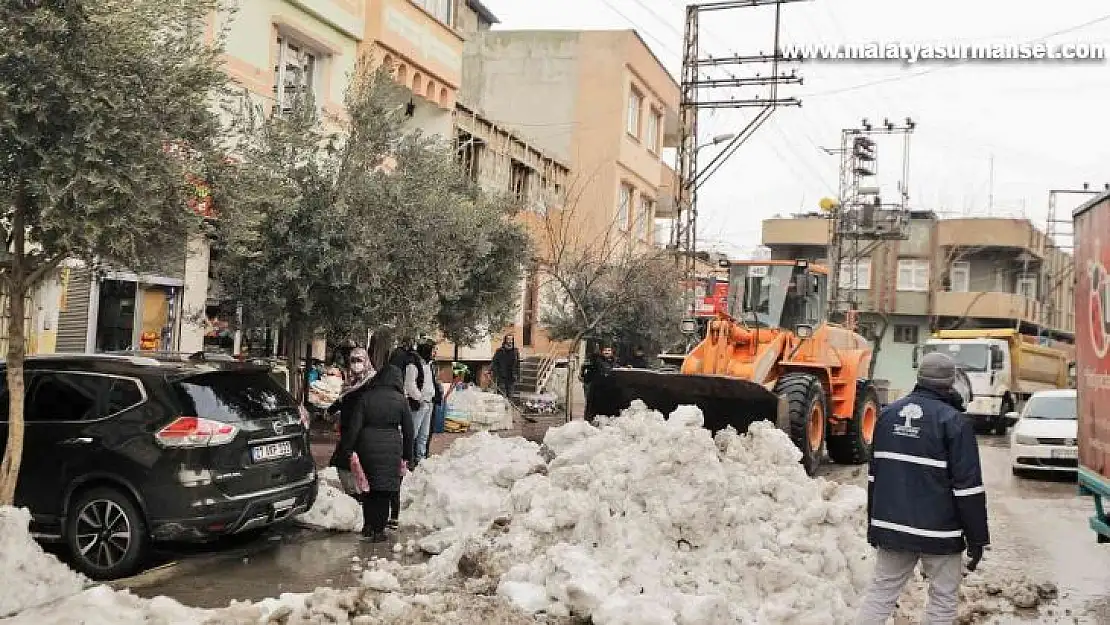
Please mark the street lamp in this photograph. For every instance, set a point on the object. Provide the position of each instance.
(719, 139)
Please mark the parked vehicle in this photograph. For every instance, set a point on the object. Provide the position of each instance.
(1044, 437)
(1092, 338)
(120, 451)
(1004, 369)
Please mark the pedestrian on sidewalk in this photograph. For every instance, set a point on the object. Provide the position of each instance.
(925, 497)
(506, 366)
(380, 430)
(360, 371)
(599, 365)
(426, 353)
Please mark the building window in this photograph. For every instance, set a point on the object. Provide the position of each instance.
(519, 175)
(469, 154)
(623, 206)
(442, 10)
(294, 73)
(635, 102)
(862, 270)
(913, 274)
(644, 219)
(651, 136)
(1027, 285)
(905, 334)
(959, 277)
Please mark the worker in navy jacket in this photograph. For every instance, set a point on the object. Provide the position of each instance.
(925, 496)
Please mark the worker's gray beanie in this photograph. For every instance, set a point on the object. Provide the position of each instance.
(937, 372)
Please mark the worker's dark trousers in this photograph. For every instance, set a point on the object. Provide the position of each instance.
(588, 414)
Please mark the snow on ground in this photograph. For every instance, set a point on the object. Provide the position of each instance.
(334, 509)
(466, 486)
(642, 521)
(647, 520)
(28, 575)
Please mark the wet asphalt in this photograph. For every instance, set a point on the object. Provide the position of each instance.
(1038, 527)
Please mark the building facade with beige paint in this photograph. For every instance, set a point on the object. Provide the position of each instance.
(599, 102)
(948, 273)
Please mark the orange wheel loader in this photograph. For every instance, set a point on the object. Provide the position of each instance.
(774, 357)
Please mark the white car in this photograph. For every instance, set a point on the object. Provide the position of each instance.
(1044, 437)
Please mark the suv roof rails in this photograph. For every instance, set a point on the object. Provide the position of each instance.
(122, 357)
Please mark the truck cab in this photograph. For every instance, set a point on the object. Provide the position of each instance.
(988, 364)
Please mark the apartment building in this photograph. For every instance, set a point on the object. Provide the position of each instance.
(948, 273)
(597, 101)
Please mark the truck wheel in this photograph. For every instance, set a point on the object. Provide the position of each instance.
(1102, 539)
(1000, 424)
(854, 446)
(806, 409)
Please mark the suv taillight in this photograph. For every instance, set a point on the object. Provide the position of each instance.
(306, 421)
(196, 432)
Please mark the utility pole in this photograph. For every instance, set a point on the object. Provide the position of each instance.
(860, 221)
(696, 83)
(1060, 234)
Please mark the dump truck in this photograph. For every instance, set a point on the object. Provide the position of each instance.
(772, 356)
(1092, 339)
(1004, 369)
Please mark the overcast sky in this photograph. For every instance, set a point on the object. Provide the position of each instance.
(1046, 124)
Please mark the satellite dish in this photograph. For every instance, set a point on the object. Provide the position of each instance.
(828, 203)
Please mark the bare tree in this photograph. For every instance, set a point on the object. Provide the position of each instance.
(600, 278)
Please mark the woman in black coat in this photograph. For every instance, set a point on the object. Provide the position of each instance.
(379, 429)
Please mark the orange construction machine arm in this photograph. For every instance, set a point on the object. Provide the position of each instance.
(734, 350)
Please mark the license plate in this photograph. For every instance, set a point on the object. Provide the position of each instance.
(272, 451)
(284, 504)
(1068, 454)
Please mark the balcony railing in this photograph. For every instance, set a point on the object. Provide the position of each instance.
(988, 305)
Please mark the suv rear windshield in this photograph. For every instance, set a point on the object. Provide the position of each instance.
(232, 396)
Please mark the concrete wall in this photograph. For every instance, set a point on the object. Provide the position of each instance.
(525, 83)
(894, 361)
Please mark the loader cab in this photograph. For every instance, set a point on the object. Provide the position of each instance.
(779, 294)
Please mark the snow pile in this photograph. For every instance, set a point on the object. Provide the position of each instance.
(333, 509)
(986, 597)
(649, 521)
(101, 605)
(467, 486)
(30, 576)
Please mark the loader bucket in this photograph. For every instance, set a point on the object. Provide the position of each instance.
(724, 401)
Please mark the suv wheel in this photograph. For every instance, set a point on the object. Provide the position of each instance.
(106, 534)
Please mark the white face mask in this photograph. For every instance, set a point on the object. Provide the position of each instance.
(358, 366)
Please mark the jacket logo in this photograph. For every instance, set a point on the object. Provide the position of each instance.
(911, 413)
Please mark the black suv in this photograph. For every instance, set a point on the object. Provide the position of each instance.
(120, 451)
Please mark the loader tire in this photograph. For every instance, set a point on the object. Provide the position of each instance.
(854, 446)
(806, 412)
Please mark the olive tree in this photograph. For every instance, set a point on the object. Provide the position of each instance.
(105, 125)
